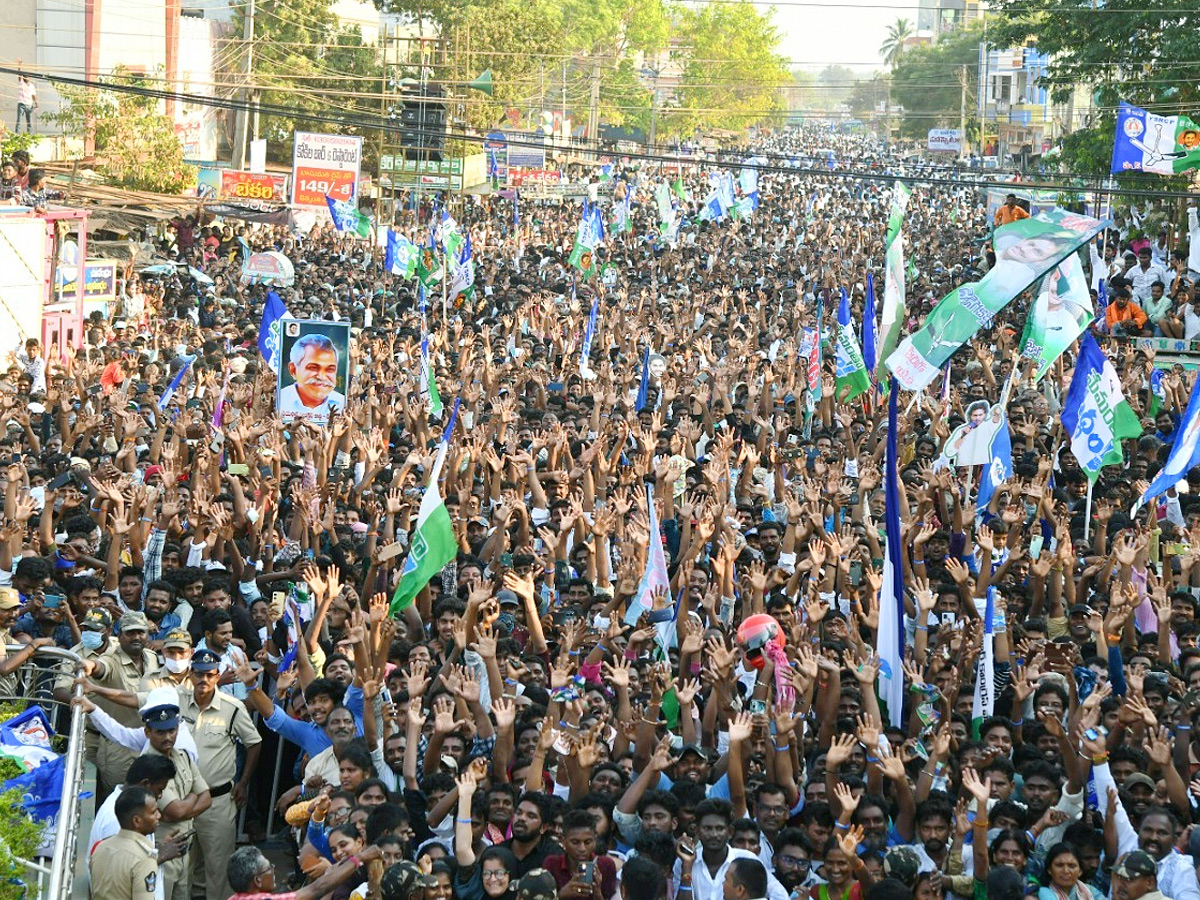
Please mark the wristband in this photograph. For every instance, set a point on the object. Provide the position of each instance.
(684, 888)
(1183, 727)
(872, 759)
(1017, 722)
(1100, 760)
(922, 628)
(841, 827)
(779, 749)
(464, 821)
(918, 562)
(357, 862)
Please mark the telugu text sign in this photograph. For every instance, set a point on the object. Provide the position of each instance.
(325, 165)
(245, 186)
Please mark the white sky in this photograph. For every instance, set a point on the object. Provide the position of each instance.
(825, 32)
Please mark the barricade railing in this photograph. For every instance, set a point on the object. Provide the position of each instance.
(53, 874)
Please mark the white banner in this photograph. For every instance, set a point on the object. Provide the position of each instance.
(948, 140)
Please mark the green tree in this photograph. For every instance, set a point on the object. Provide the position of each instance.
(868, 94)
(893, 45)
(834, 84)
(304, 61)
(1142, 53)
(925, 82)
(732, 76)
(132, 135)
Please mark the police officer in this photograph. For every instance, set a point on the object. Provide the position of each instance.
(125, 866)
(186, 795)
(95, 629)
(219, 723)
(123, 667)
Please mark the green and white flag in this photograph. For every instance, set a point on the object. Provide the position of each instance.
(433, 543)
(851, 377)
(429, 387)
(893, 277)
(1061, 312)
(679, 191)
(1096, 413)
(588, 237)
(666, 212)
(429, 266)
(1025, 251)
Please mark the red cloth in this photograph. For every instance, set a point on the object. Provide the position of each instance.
(558, 866)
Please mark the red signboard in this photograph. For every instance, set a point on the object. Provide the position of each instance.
(242, 186)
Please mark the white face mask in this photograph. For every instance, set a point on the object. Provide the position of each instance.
(177, 666)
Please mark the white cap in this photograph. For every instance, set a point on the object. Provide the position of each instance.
(160, 696)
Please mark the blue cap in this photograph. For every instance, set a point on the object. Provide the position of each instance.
(161, 718)
(205, 660)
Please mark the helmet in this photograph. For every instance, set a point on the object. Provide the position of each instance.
(754, 634)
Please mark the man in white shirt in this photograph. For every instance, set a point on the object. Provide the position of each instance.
(707, 873)
(1144, 274)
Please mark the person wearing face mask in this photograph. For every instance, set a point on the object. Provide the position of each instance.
(122, 668)
(177, 662)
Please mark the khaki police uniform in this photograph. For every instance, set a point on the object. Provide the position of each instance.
(177, 882)
(124, 867)
(92, 740)
(218, 729)
(122, 673)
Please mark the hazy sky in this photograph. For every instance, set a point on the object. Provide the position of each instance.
(823, 32)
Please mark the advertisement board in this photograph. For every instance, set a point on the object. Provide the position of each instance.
(945, 140)
(240, 187)
(325, 164)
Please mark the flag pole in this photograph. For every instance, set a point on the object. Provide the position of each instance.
(1087, 515)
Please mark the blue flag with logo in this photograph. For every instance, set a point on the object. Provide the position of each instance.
(268, 329)
(869, 325)
(165, 399)
(1185, 453)
(644, 384)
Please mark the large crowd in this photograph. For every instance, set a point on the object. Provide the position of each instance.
(514, 734)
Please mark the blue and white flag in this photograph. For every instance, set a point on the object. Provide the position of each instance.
(1147, 142)
(868, 347)
(165, 399)
(400, 258)
(891, 595)
(269, 337)
(294, 624)
(589, 334)
(1000, 466)
(984, 704)
(346, 217)
(643, 393)
(748, 180)
(655, 574)
(1185, 454)
(464, 270)
(725, 191)
(712, 210)
(41, 789)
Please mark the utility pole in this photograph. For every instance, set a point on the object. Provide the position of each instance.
(243, 116)
(563, 111)
(962, 112)
(594, 105)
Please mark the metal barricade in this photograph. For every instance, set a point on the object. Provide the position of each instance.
(35, 685)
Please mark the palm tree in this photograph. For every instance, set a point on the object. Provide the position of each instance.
(893, 46)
